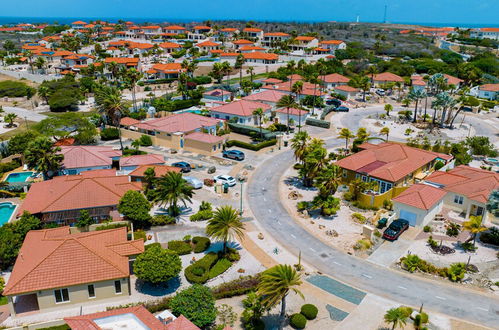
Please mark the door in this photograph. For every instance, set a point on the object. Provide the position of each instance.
(409, 216)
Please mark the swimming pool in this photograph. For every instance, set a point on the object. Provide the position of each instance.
(18, 176)
(6, 210)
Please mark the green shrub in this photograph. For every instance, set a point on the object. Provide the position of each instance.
(309, 311)
(298, 321)
(145, 141)
(468, 247)
(406, 310)
(152, 245)
(431, 242)
(162, 219)
(109, 133)
(317, 122)
(232, 254)
(202, 215)
(249, 146)
(439, 165)
(427, 229)
(180, 247)
(237, 287)
(456, 271)
(220, 267)
(303, 205)
(491, 236)
(140, 234)
(63, 100)
(453, 229)
(201, 244)
(249, 130)
(205, 264)
(411, 262)
(111, 226)
(10, 88)
(357, 217)
(201, 80)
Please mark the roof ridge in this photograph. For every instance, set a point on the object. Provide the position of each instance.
(62, 194)
(101, 256)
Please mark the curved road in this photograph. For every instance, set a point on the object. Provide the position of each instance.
(264, 201)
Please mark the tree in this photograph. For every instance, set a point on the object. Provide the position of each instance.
(287, 101)
(135, 207)
(315, 159)
(44, 156)
(111, 104)
(275, 284)
(217, 72)
(388, 108)
(70, 124)
(299, 144)
(480, 145)
(131, 77)
(250, 70)
(474, 226)
(258, 113)
(361, 82)
(460, 152)
(171, 189)
(19, 142)
(239, 65)
(416, 95)
(346, 134)
(157, 265)
(44, 92)
(149, 178)
(253, 311)
(493, 203)
(397, 317)
(196, 303)
(225, 225)
(9, 119)
(298, 89)
(328, 180)
(226, 316)
(84, 220)
(385, 131)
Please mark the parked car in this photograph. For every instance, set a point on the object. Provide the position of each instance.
(194, 182)
(395, 229)
(230, 181)
(184, 166)
(341, 109)
(380, 92)
(334, 102)
(233, 154)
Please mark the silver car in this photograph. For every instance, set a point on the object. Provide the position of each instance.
(194, 182)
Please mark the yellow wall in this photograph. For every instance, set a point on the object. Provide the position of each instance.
(367, 200)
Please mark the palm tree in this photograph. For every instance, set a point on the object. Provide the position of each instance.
(258, 113)
(9, 119)
(250, 70)
(397, 317)
(297, 89)
(474, 226)
(225, 225)
(110, 103)
(239, 65)
(361, 82)
(114, 68)
(171, 189)
(372, 70)
(416, 95)
(44, 93)
(385, 131)
(328, 180)
(40, 63)
(299, 144)
(44, 156)
(132, 76)
(287, 101)
(291, 66)
(275, 284)
(388, 108)
(346, 134)
(226, 69)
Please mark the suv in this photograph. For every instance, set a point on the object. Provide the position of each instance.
(341, 109)
(334, 102)
(233, 154)
(380, 92)
(395, 229)
(225, 179)
(184, 166)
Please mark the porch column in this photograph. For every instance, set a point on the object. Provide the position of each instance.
(468, 210)
(11, 305)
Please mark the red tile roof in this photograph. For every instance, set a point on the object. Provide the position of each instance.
(490, 30)
(332, 42)
(129, 61)
(173, 28)
(169, 45)
(347, 88)
(204, 137)
(182, 122)
(490, 87)
(127, 121)
(252, 30)
(137, 160)
(73, 192)
(243, 42)
(88, 156)
(229, 30)
(272, 81)
(451, 80)
(181, 323)
(293, 111)
(159, 170)
(474, 183)
(261, 56)
(243, 108)
(86, 322)
(55, 258)
(168, 67)
(387, 76)
(388, 161)
(79, 23)
(305, 38)
(276, 34)
(207, 44)
(246, 48)
(266, 96)
(336, 78)
(421, 196)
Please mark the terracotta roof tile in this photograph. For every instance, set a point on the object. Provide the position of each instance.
(421, 196)
(88, 156)
(159, 170)
(204, 137)
(137, 160)
(336, 78)
(266, 96)
(387, 76)
(182, 122)
(243, 108)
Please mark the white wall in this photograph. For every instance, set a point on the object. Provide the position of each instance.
(423, 216)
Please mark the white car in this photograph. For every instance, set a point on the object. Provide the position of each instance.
(194, 182)
(225, 179)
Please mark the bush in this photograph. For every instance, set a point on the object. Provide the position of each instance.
(193, 276)
(63, 100)
(180, 247)
(431, 242)
(111, 226)
(201, 244)
(237, 287)
(156, 265)
(363, 244)
(232, 254)
(201, 80)
(427, 229)
(491, 236)
(439, 165)
(196, 303)
(220, 267)
(249, 146)
(357, 217)
(453, 229)
(9, 88)
(109, 133)
(318, 123)
(456, 271)
(309, 311)
(152, 246)
(201, 215)
(298, 321)
(140, 234)
(303, 205)
(468, 247)
(145, 141)
(162, 219)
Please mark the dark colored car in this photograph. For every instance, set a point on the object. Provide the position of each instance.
(334, 102)
(341, 109)
(233, 154)
(184, 166)
(395, 229)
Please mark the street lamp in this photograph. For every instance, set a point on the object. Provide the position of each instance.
(241, 181)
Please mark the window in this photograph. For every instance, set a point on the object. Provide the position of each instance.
(61, 296)
(458, 199)
(91, 291)
(117, 287)
(345, 173)
(364, 178)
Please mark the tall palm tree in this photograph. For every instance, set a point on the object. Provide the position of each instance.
(474, 226)
(132, 77)
(397, 317)
(44, 156)
(297, 89)
(361, 82)
(225, 225)
(275, 284)
(346, 134)
(416, 95)
(328, 180)
(291, 66)
(171, 189)
(288, 102)
(299, 144)
(239, 65)
(258, 113)
(372, 70)
(227, 69)
(114, 68)
(250, 70)
(385, 131)
(111, 104)
(40, 63)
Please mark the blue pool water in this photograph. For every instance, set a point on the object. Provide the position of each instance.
(6, 210)
(337, 288)
(18, 177)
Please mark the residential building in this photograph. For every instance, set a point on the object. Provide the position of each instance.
(199, 32)
(334, 79)
(274, 39)
(240, 111)
(332, 45)
(260, 57)
(123, 62)
(489, 91)
(347, 91)
(382, 79)
(254, 33)
(207, 46)
(130, 163)
(302, 43)
(308, 88)
(174, 30)
(392, 166)
(55, 268)
(242, 42)
(138, 174)
(269, 97)
(170, 47)
(417, 83)
(61, 199)
(78, 25)
(451, 80)
(78, 159)
(227, 33)
(218, 95)
(296, 116)
(165, 71)
(250, 49)
(485, 33)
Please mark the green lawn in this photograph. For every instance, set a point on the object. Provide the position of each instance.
(3, 300)
(20, 128)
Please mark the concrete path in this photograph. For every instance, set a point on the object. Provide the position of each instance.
(25, 113)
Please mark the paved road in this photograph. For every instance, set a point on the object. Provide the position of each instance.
(263, 199)
(39, 78)
(25, 113)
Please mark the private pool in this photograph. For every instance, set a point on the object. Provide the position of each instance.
(492, 161)
(18, 176)
(6, 210)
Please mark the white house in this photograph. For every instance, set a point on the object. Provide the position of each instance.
(334, 79)
(241, 110)
(485, 33)
(333, 45)
(489, 91)
(347, 91)
(296, 116)
(207, 46)
(272, 39)
(199, 32)
(255, 33)
(301, 43)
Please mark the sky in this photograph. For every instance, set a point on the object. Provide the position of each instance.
(406, 11)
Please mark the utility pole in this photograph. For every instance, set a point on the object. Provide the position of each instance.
(384, 16)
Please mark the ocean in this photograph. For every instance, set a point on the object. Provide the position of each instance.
(4, 20)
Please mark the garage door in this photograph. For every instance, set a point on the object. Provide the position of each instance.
(409, 216)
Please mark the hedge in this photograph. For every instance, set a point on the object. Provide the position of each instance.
(111, 226)
(251, 131)
(109, 133)
(158, 81)
(249, 146)
(198, 272)
(318, 123)
(201, 244)
(11, 88)
(309, 311)
(162, 219)
(180, 247)
(298, 321)
(202, 215)
(201, 80)
(237, 287)
(220, 267)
